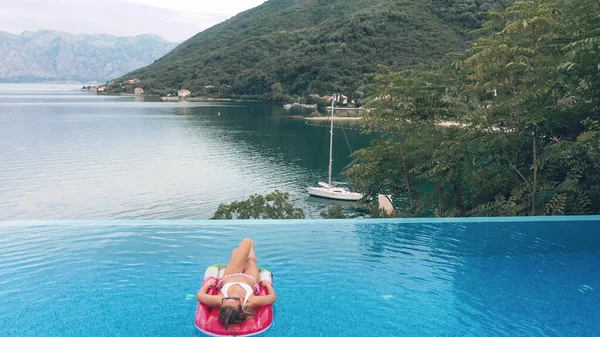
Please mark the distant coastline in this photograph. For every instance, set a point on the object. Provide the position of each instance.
(42, 81)
(204, 99)
(335, 118)
(175, 99)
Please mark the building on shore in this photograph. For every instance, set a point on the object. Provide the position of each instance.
(138, 91)
(183, 93)
(338, 98)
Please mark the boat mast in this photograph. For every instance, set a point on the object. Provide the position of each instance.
(331, 143)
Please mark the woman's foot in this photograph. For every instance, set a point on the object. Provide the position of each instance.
(251, 254)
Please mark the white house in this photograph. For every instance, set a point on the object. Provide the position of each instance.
(338, 98)
(183, 93)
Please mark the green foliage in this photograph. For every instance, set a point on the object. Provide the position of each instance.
(334, 212)
(315, 47)
(315, 113)
(274, 205)
(529, 90)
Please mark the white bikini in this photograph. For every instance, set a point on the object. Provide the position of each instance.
(225, 287)
(245, 286)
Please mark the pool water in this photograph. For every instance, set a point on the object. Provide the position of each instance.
(419, 277)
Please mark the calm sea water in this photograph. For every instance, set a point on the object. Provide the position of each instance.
(474, 277)
(67, 154)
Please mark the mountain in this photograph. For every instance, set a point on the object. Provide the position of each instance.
(56, 56)
(315, 46)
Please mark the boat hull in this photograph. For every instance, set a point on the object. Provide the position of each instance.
(334, 193)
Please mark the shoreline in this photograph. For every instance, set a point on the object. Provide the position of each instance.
(323, 118)
(205, 99)
(307, 118)
(326, 118)
(349, 109)
(451, 123)
(176, 99)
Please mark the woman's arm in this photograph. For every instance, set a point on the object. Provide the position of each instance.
(213, 301)
(270, 298)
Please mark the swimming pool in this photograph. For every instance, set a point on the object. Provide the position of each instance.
(411, 277)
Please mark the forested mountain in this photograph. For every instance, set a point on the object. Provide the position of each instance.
(55, 56)
(315, 46)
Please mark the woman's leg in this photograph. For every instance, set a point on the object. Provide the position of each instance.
(239, 257)
(252, 266)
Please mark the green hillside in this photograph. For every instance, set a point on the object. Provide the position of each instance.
(313, 46)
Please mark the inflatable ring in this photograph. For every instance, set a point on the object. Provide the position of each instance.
(207, 319)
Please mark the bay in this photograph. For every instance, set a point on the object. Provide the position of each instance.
(68, 154)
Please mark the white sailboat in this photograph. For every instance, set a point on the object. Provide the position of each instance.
(328, 190)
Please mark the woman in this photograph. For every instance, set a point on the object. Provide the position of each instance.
(236, 300)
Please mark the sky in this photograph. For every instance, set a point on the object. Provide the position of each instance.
(174, 20)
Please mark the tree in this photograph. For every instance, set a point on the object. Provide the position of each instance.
(277, 89)
(315, 113)
(275, 205)
(411, 151)
(334, 212)
(529, 90)
(518, 65)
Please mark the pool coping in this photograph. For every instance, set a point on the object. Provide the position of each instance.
(381, 221)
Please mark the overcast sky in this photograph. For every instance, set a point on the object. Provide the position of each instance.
(175, 20)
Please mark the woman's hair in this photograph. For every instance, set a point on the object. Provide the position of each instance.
(234, 315)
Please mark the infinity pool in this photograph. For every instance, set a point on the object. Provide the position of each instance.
(423, 277)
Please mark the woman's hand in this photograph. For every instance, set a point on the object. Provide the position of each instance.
(270, 298)
(210, 283)
(265, 283)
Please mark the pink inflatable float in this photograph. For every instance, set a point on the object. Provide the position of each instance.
(207, 319)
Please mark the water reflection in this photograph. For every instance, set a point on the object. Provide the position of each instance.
(364, 278)
(486, 238)
(259, 138)
(265, 127)
(77, 155)
(497, 277)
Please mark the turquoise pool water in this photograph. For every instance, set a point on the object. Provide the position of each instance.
(422, 277)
